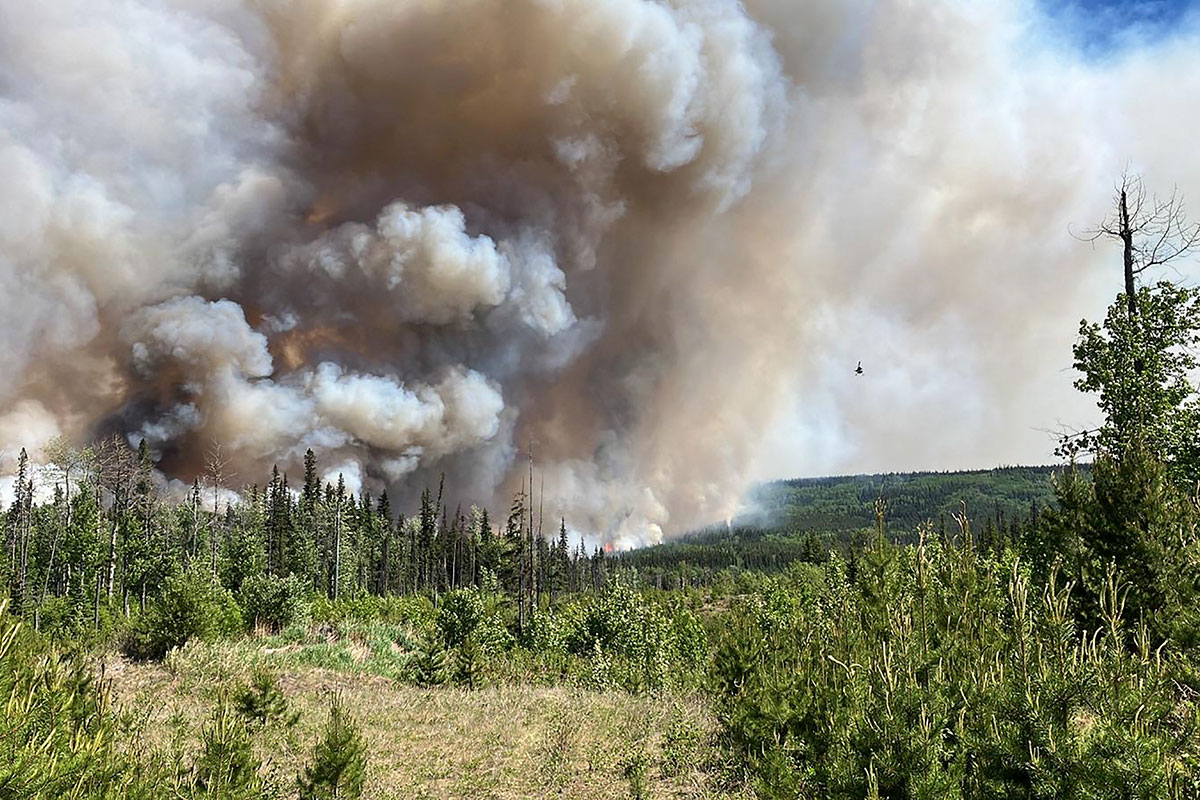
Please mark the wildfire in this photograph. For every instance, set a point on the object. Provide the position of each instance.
(320, 213)
(292, 347)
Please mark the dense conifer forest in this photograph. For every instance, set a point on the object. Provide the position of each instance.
(804, 519)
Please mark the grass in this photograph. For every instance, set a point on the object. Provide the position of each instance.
(504, 741)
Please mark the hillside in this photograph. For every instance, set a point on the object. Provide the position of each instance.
(823, 505)
(802, 518)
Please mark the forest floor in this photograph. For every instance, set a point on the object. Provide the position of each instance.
(507, 741)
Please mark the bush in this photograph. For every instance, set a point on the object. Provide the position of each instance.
(1126, 516)
(464, 616)
(262, 703)
(226, 766)
(273, 602)
(459, 615)
(643, 645)
(58, 732)
(433, 664)
(941, 672)
(339, 762)
(192, 605)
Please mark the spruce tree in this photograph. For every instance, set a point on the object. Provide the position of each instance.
(387, 531)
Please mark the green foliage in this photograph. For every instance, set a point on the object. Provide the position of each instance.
(226, 766)
(460, 614)
(632, 643)
(339, 761)
(1139, 365)
(412, 610)
(469, 631)
(273, 602)
(681, 743)
(191, 605)
(634, 768)
(1132, 523)
(263, 703)
(940, 672)
(433, 663)
(58, 731)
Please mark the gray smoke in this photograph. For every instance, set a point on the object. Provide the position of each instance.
(649, 238)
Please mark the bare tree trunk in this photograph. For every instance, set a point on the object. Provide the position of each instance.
(112, 553)
(337, 548)
(1126, 234)
(49, 568)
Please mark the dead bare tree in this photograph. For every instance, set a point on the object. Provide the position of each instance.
(116, 464)
(216, 474)
(1153, 232)
(66, 461)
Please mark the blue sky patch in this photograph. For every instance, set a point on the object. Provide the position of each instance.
(1103, 27)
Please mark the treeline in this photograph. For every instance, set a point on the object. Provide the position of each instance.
(107, 541)
(848, 503)
(807, 519)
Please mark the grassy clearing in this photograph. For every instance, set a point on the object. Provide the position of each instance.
(497, 742)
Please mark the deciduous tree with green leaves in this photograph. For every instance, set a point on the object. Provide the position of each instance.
(1140, 358)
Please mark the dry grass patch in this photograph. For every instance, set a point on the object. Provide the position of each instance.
(497, 742)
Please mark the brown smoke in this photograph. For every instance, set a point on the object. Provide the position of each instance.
(651, 238)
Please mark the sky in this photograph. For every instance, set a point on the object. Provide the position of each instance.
(1100, 28)
(992, 385)
(649, 239)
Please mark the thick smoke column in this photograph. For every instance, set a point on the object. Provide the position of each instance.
(418, 236)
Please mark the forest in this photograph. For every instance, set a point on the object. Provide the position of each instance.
(1020, 632)
(804, 519)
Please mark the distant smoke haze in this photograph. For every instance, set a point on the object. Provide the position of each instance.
(650, 238)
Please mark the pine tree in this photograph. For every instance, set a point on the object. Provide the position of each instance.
(339, 761)
(226, 766)
(19, 521)
(426, 535)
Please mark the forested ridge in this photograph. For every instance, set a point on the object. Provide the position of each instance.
(1012, 633)
(804, 518)
(911, 498)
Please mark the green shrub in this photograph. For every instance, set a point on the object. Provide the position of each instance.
(464, 616)
(263, 703)
(433, 664)
(460, 613)
(939, 672)
(273, 602)
(226, 766)
(191, 605)
(1128, 516)
(339, 761)
(58, 731)
(644, 645)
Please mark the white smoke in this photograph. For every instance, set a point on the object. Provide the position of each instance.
(648, 238)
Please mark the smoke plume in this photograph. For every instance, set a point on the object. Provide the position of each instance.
(647, 238)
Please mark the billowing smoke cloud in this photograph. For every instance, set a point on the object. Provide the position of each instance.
(650, 238)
